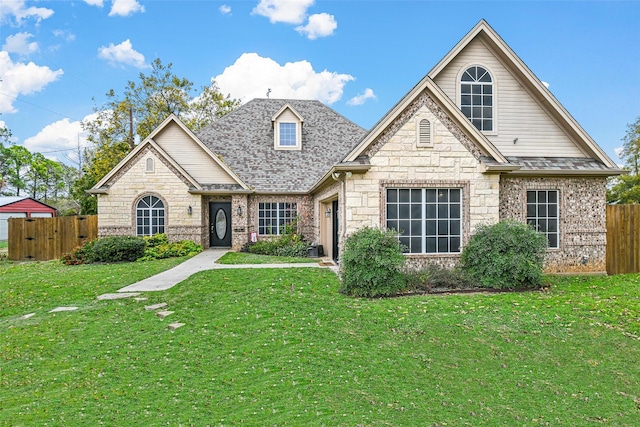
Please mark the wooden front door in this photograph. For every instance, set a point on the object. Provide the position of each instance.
(220, 224)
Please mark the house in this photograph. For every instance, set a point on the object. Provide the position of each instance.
(21, 207)
(477, 140)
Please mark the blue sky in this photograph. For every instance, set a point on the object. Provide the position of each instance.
(59, 58)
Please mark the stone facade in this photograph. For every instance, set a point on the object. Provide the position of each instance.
(305, 212)
(117, 209)
(399, 162)
(582, 219)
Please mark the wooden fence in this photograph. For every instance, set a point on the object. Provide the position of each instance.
(43, 239)
(623, 239)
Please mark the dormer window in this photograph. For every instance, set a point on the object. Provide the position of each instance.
(288, 132)
(476, 97)
(287, 126)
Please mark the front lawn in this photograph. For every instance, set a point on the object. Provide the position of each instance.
(248, 258)
(282, 347)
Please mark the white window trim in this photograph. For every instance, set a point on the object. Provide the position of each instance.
(557, 217)
(432, 125)
(278, 146)
(494, 82)
(149, 165)
(280, 214)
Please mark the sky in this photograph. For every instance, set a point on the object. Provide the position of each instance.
(59, 58)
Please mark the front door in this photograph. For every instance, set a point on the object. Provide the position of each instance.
(334, 249)
(220, 224)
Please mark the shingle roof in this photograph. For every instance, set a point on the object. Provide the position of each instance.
(244, 140)
(558, 164)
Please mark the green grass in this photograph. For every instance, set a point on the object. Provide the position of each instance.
(282, 347)
(4, 244)
(248, 258)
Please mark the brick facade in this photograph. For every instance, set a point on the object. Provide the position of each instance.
(582, 219)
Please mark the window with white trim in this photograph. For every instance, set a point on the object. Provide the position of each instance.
(476, 97)
(272, 217)
(288, 134)
(149, 166)
(542, 214)
(150, 216)
(428, 220)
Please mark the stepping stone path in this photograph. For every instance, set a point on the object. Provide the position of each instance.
(155, 306)
(57, 309)
(174, 326)
(118, 295)
(163, 314)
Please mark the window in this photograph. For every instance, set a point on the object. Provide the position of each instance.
(272, 217)
(428, 220)
(424, 133)
(150, 216)
(542, 213)
(476, 97)
(149, 165)
(288, 133)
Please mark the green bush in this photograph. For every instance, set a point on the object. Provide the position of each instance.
(371, 264)
(156, 240)
(160, 248)
(81, 255)
(118, 248)
(505, 255)
(289, 244)
(434, 276)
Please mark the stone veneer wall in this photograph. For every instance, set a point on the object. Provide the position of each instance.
(117, 210)
(397, 161)
(582, 219)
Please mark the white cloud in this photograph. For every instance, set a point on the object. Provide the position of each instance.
(122, 54)
(21, 79)
(65, 35)
(18, 10)
(319, 25)
(225, 9)
(362, 98)
(98, 3)
(288, 11)
(251, 75)
(125, 7)
(618, 151)
(19, 43)
(545, 84)
(60, 140)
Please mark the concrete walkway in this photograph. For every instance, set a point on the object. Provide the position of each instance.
(205, 260)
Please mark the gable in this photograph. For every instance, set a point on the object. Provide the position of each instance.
(516, 112)
(192, 157)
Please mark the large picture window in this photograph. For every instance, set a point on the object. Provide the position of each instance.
(476, 97)
(272, 217)
(542, 213)
(150, 216)
(428, 220)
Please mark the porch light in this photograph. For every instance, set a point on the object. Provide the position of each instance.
(327, 213)
(239, 210)
(189, 210)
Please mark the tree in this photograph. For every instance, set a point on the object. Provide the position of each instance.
(17, 162)
(147, 103)
(626, 188)
(5, 137)
(631, 147)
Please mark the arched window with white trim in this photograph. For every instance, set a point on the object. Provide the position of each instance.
(477, 97)
(150, 216)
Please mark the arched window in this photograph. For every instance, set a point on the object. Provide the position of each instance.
(150, 216)
(149, 165)
(476, 97)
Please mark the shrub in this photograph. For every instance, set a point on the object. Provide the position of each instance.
(118, 248)
(289, 244)
(156, 240)
(156, 249)
(434, 277)
(80, 255)
(371, 264)
(505, 255)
